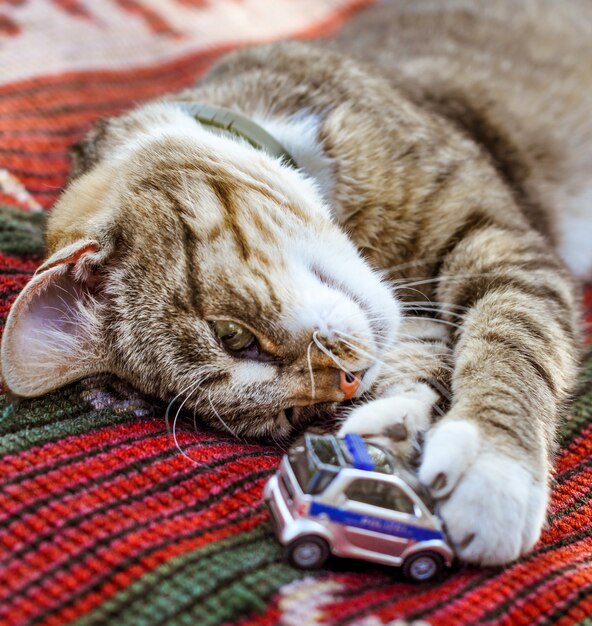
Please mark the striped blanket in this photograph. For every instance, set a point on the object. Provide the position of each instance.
(102, 519)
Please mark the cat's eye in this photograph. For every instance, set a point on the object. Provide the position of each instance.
(232, 335)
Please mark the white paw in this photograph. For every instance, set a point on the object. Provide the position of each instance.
(395, 422)
(494, 507)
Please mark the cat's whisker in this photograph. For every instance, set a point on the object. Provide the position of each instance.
(399, 333)
(220, 418)
(177, 445)
(358, 349)
(425, 281)
(407, 287)
(417, 306)
(429, 306)
(441, 277)
(428, 319)
(434, 310)
(440, 303)
(437, 320)
(383, 335)
(440, 388)
(426, 261)
(203, 379)
(328, 352)
(195, 418)
(193, 389)
(168, 409)
(312, 380)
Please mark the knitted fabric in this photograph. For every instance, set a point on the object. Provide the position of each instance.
(102, 519)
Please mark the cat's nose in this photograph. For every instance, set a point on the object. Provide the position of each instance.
(349, 383)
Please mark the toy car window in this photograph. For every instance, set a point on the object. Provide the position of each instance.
(382, 461)
(320, 481)
(378, 493)
(326, 450)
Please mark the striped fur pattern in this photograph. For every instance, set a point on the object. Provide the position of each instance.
(428, 264)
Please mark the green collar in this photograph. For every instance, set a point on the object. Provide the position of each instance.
(240, 126)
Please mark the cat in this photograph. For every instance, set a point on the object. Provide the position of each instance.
(423, 258)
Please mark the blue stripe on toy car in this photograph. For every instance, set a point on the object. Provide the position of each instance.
(376, 524)
(360, 455)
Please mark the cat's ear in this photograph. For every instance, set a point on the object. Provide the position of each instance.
(50, 338)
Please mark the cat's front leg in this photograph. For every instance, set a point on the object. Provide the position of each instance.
(487, 461)
(412, 390)
(491, 497)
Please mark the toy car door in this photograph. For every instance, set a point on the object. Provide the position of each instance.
(377, 516)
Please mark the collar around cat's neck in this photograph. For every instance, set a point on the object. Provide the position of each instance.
(238, 125)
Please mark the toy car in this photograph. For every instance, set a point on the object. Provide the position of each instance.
(347, 497)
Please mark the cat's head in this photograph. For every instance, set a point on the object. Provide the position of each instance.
(195, 266)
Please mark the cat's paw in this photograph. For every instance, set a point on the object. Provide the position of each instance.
(493, 506)
(397, 423)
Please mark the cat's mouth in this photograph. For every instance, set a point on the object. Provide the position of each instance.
(298, 418)
(290, 415)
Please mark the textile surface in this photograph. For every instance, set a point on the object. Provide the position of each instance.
(102, 519)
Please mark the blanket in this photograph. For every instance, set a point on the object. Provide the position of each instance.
(102, 519)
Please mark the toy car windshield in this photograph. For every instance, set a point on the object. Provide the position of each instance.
(317, 459)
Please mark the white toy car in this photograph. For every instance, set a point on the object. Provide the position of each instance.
(346, 497)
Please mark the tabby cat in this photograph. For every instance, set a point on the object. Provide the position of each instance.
(420, 257)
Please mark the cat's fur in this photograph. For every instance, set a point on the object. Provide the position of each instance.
(453, 163)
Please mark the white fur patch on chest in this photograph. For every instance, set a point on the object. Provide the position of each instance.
(299, 134)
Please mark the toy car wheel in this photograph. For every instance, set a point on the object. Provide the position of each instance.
(308, 552)
(423, 566)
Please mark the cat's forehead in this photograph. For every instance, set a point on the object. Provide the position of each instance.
(221, 192)
(229, 228)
